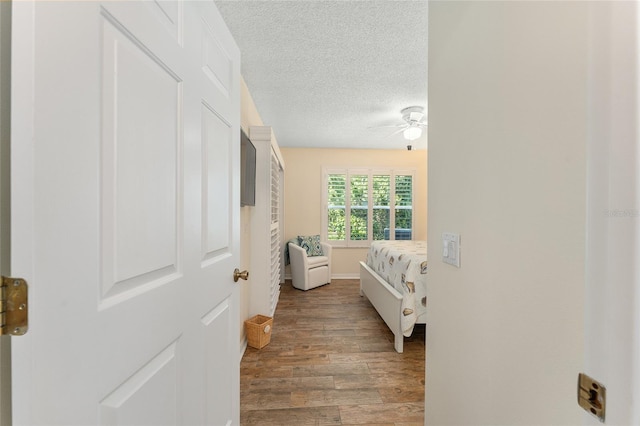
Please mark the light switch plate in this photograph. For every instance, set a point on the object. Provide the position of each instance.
(451, 248)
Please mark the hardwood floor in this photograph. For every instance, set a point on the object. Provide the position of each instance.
(331, 362)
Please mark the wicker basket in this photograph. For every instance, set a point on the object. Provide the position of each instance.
(258, 330)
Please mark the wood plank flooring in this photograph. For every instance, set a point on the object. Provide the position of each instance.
(331, 362)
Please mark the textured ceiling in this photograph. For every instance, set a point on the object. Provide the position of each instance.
(330, 73)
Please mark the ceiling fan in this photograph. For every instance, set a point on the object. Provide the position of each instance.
(414, 122)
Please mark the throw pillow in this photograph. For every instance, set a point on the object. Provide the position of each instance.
(311, 244)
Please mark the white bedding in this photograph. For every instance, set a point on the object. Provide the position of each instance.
(403, 264)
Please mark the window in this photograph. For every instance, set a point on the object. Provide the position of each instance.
(366, 205)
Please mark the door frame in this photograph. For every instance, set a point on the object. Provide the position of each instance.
(5, 193)
(612, 278)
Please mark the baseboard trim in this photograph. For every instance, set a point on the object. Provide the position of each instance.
(345, 276)
(243, 348)
(352, 276)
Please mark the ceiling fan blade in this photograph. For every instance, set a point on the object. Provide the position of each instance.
(400, 130)
(413, 117)
(386, 127)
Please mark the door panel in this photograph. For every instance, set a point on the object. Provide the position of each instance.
(218, 66)
(154, 388)
(216, 143)
(216, 325)
(215, 63)
(170, 15)
(131, 193)
(140, 147)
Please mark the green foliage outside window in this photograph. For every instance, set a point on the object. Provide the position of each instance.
(404, 202)
(381, 211)
(359, 208)
(336, 187)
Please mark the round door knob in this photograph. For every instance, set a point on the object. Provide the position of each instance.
(237, 275)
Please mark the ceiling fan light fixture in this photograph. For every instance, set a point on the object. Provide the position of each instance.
(412, 133)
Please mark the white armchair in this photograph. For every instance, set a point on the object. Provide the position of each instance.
(309, 272)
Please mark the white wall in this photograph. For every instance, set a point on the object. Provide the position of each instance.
(303, 181)
(5, 88)
(507, 130)
(249, 116)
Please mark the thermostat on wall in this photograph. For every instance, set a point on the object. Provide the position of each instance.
(451, 248)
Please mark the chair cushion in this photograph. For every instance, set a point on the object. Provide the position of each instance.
(316, 261)
(318, 276)
(311, 244)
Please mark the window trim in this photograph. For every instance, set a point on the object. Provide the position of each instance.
(370, 172)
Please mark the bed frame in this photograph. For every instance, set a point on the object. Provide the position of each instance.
(387, 301)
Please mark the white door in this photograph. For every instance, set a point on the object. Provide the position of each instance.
(125, 213)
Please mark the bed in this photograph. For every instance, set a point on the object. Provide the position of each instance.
(394, 280)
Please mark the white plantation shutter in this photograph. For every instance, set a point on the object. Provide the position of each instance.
(267, 224)
(381, 217)
(336, 206)
(275, 267)
(363, 205)
(359, 211)
(403, 214)
(276, 254)
(275, 189)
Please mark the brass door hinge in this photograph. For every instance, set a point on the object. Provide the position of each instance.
(592, 396)
(14, 307)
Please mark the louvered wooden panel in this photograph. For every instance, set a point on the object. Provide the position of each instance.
(275, 265)
(275, 189)
(266, 224)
